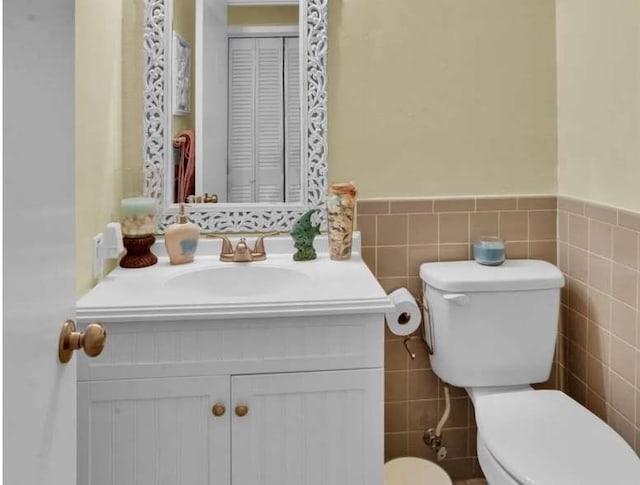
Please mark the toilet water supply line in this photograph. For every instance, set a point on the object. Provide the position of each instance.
(431, 437)
(447, 410)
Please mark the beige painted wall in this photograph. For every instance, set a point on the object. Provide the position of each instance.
(98, 134)
(426, 98)
(599, 100)
(442, 97)
(132, 93)
(267, 15)
(184, 23)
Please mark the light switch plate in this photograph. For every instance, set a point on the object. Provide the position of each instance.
(98, 256)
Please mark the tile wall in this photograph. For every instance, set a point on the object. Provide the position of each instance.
(397, 236)
(599, 252)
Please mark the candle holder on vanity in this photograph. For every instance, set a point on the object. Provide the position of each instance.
(138, 227)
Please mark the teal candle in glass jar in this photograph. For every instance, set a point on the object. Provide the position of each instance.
(489, 251)
(138, 216)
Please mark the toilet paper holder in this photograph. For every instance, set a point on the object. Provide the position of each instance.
(426, 317)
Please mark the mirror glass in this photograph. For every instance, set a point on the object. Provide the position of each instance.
(236, 102)
(234, 118)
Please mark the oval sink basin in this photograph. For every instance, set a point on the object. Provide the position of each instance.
(237, 280)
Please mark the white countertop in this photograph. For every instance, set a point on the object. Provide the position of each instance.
(326, 288)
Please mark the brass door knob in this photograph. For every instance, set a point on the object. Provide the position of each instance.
(242, 410)
(218, 409)
(92, 340)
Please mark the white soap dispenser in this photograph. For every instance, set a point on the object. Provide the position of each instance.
(181, 239)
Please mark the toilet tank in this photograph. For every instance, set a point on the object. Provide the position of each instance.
(492, 325)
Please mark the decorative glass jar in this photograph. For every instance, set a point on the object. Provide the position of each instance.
(341, 204)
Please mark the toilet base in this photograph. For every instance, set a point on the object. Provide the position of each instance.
(494, 473)
(492, 470)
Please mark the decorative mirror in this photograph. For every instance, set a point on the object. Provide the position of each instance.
(270, 145)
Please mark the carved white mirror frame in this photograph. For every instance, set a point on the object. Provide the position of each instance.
(157, 137)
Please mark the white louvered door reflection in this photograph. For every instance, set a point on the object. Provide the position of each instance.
(154, 432)
(241, 145)
(316, 428)
(292, 153)
(269, 120)
(264, 120)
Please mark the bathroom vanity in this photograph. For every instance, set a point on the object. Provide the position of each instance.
(235, 373)
(266, 372)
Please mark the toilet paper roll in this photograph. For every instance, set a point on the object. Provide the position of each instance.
(405, 316)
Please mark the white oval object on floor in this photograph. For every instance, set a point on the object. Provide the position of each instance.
(414, 471)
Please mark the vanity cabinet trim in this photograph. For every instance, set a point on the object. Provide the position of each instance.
(217, 347)
(231, 311)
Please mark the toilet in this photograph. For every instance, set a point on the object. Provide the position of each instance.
(414, 471)
(493, 331)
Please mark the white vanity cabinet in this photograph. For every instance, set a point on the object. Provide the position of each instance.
(315, 428)
(311, 386)
(153, 431)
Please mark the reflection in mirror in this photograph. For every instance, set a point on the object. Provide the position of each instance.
(242, 133)
(182, 96)
(240, 142)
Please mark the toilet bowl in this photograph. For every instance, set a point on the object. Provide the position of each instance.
(493, 331)
(545, 437)
(414, 471)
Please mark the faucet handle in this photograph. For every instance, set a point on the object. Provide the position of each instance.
(227, 248)
(242, 254)
(258, 250)
(242, 245)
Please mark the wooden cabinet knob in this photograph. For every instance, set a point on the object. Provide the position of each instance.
(218, 409)
(242, 410)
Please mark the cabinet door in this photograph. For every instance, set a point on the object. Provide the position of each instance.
(311, 428)
(153, 432)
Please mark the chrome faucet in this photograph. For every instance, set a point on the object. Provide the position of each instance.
(242, 253)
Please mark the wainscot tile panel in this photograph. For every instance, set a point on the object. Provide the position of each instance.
(604, 293)
(398, 236)
(598, 353)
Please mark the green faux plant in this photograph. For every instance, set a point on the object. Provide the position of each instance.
(303, 234)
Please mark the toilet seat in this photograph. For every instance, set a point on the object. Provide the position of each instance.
(545, 437)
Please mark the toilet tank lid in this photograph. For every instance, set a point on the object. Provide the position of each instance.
(512, 275)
